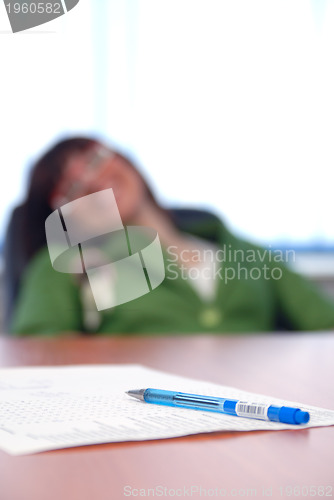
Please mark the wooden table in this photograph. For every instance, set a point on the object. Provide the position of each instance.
(255, 464)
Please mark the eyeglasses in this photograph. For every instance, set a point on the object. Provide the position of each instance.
(95, 159)
(98, 156)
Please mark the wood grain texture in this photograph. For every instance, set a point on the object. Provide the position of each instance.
(296, 367)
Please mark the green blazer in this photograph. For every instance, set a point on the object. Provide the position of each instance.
(256, 292)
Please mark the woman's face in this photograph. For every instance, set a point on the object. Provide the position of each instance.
(97, 169)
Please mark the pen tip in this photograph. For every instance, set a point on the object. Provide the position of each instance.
(137, 393)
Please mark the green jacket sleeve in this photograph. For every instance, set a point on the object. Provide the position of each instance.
(48, 302)
(301, 303)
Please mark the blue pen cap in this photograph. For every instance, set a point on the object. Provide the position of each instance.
(293, 415)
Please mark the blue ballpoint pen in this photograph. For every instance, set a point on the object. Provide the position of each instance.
(284, 414)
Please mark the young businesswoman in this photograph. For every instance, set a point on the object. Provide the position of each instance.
(214, 281)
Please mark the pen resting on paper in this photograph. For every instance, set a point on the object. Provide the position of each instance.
(248, 409)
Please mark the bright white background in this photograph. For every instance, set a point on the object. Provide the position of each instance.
(227, 104)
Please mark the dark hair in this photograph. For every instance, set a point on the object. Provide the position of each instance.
(44, 176)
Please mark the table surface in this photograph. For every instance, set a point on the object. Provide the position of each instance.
(296, 367)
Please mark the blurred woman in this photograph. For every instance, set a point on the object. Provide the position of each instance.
(214, 281)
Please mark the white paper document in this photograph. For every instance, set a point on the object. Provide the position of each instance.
(46, 408)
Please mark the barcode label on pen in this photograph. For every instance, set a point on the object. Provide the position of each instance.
(252, 410)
